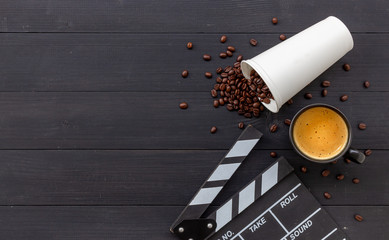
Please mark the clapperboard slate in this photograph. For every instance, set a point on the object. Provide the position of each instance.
(274, 205)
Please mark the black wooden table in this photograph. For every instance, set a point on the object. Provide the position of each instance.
(94, 145)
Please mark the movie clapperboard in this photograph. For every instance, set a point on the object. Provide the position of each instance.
(274, 205)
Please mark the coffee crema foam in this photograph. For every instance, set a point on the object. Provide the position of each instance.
(320, 133)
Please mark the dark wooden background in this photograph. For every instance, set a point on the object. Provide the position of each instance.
(94, 146)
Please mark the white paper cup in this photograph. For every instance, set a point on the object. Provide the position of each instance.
(291, 65)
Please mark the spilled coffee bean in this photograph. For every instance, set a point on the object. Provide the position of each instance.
(185, 73)
(344, 98)
(308, 96)
(362, 126)
(346, 67)
(303, 169)
(355, 180)
(325, 173)
(282, 37)
(253, 42)
(340, 176)
(273, 154)
(213, 129)
(189, 45)
(324, 92)
(231, 48)
(273, 128)
(274, 20)
(327, 195)
(290, 102)
(207, 57)
(326, 83)
(358, 217)
(208, 74)
(183, 105)
(223, 55)
(287, 122)
(223, 39)
(241, 125)
(368, 152)
(366, 84)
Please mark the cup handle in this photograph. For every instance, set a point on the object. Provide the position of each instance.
(355, 155)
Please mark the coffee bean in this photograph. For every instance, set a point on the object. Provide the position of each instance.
(216, 103)
(185, 73)
(274, 20)
(253, 42)
(229, 53)
(347, 160)
(340, 176)
(358, 217)
(231, 48)
(221, 101)
(273, 128)
(308, 96)
(208, 74)
(213, 93)
(230, 107)
(207, 57)
(223, 39)
(346, 67)
(287, 122)
(290, 101)
(362, 126)
(247, 115)
(189, 45)
(325, 173)
(183, 105)
(327, 195)
(366, 84)
(355, 180)
(303, 169)
(324, 92)
(334, 162)
(282, 37)
(368, 152)
(213, 129)
(223, 55)
(266, 100)
(343, 98)
(273, 154)
(241, 125)
(219, 70)
(239, 58)
(326, 83)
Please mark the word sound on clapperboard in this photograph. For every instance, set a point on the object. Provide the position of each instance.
(274, 205)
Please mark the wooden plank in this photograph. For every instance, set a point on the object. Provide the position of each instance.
(154, 62)
(148, 222)
(187, 16)
(163, 177)
(49, 120)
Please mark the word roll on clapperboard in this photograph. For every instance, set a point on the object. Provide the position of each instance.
(274, 205)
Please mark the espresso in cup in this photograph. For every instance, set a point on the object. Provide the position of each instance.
(321, 133)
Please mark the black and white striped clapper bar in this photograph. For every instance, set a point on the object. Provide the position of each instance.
(287, 211)
(190, 226)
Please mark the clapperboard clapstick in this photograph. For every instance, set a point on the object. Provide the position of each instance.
(286, 211)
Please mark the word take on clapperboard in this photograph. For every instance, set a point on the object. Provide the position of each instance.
(274, 205)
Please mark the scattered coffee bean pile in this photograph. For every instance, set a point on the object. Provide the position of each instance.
(238, 93)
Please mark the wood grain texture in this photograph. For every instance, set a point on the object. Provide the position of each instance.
(154, 62)
(167, 177)
(154, 121)
(68, 223)
(187, 16)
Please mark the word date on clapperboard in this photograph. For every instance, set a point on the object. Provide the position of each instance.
(274, 205)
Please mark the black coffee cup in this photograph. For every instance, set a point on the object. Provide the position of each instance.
(346, 151)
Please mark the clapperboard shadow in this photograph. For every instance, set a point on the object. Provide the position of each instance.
(274, 205)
